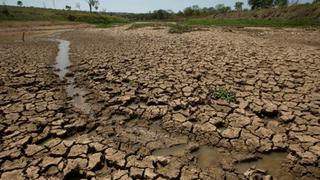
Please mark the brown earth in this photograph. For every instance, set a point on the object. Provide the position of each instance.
(13, 30)
(151, 115)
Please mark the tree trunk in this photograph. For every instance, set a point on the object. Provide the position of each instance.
(90, 8)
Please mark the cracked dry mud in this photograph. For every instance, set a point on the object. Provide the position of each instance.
(151, 116)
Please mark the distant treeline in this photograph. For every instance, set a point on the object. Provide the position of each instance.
(196, 11)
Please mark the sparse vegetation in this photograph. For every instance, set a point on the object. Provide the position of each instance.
(254, 22)
(174, 28)
(39, 14)
(148, 24)
(224, 94)
(180, 28)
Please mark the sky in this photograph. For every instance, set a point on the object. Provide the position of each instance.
(136, 6)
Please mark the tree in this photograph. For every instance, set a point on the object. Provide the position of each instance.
(93, 3)
(256, 4)
(68, 7)
(160, 14)
(188, 11)
(19, 3)
(221, 8)
(316, 2)
(281, 3)
(238, 6)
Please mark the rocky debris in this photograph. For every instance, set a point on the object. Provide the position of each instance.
(14, 164)
(115, 157)
(171, 171)
(33, 149)
(10, 175)
(59, 150)
(231, 133)
(94, 160)
(153, 112)
(74, 165)
(50, 161)
(179, 118)
(78, 150)
(136, 172)
(254, 173)
(280, 140)
(238, 120)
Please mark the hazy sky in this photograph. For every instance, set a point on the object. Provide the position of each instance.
(129, 5)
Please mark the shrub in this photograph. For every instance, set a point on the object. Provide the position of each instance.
(224, 94)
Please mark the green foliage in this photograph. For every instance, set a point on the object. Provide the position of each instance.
(34, 14)
(221, 8)
(161, 14)
(316, 2)
(173, 28)
(68, 7)
(19, 3)
(238, 6)
(255, 22)
(4, 12)
(281, 3)
(149, 24)
(256, 4)
(192, 11)
(180, 28)
(93, 4)
(224, 94)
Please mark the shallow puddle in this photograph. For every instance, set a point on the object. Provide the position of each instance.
(271, 162)
(62, 64)
(210, 157)
(176, 150)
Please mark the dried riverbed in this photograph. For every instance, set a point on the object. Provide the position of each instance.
(136, 104)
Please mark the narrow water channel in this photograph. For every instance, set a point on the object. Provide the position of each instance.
(62, 64)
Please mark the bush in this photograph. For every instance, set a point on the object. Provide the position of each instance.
(222, 93)
(71, 17)
(5, 11)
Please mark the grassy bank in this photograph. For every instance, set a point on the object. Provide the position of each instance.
(10, 13)
(254, 22)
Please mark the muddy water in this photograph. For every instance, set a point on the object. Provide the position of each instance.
(208, 157)
(62, 64)
(270, 162)
(177, 150)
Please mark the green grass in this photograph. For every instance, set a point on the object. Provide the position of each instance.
(222, 93)
(180, 28)
(174, 28)
(10, 13)
(155, 25)
(254, 22)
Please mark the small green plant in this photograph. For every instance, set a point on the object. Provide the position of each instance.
(132, 83)
(222, 93)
